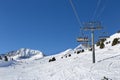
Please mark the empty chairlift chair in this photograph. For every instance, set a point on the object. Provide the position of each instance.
(82, 39)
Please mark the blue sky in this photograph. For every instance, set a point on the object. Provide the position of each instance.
(50, 25)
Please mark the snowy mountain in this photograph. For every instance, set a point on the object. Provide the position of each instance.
(67, 65)
(24, 53)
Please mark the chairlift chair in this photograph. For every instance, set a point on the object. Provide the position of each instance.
(82, 39)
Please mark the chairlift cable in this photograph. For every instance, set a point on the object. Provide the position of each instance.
(96, 9)
(101, 11)
(76, 14)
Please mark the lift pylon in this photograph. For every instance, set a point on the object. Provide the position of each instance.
(92, 26)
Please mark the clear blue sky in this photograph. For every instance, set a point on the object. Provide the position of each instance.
(50, 25)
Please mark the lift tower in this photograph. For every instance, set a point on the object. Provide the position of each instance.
(92, 26)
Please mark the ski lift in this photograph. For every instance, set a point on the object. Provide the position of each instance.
(82, 39)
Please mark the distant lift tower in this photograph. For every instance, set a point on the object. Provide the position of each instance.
(92, 26)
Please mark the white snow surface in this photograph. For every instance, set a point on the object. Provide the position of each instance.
(75, 67)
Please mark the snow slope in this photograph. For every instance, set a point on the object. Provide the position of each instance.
(75, 67)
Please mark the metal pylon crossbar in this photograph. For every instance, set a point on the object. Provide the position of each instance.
(92, 26)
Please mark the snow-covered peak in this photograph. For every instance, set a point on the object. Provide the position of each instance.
(25, 53)
(68, 51)
(80, 47)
